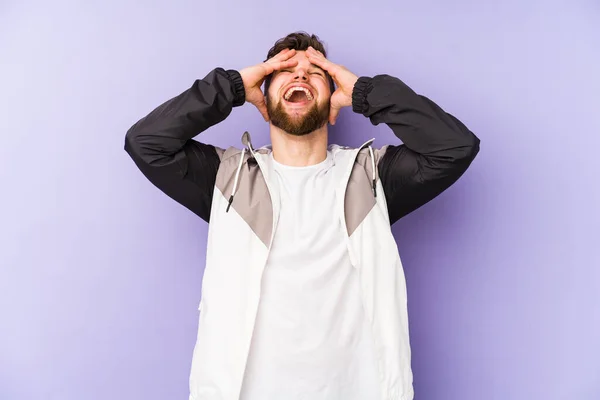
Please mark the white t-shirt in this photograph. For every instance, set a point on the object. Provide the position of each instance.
(311, 339)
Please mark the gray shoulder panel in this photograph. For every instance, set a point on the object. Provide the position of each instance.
(252, 200)
(359, 199)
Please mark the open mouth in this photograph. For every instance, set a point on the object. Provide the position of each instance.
(298, 95)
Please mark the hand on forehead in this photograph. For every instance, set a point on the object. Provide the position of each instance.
(303, 60)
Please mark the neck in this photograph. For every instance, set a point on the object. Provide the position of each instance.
(299, 151)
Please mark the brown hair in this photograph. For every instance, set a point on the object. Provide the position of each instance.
(297, 41)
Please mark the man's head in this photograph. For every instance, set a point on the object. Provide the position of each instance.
(298, 97)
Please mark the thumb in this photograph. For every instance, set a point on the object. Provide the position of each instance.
(262, 108)
(333, 114)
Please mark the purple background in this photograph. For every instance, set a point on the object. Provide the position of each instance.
(100, 273)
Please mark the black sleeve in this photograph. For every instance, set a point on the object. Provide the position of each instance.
(162, 147)
(437, 148)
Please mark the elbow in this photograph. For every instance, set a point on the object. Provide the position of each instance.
(465, 156)
(456, 161)
(472, 149)
(150, 147)
(131, 145)
(468, 150)
(135, 146)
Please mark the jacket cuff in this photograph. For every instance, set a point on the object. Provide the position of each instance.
(238, 87)
(362, 88)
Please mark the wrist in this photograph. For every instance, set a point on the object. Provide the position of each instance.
(362, 88)
(237, 84)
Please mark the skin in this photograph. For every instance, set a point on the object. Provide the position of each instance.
(306, 67)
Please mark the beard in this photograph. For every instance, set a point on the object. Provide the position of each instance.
(312, 120)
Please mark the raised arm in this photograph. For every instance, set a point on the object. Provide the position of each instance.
(437, 148)
(162, 147)
(161, 143)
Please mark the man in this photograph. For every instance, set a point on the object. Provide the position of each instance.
(303, 294)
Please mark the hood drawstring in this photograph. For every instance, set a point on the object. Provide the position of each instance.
(235, 181)
(374, 172)
(239, 168)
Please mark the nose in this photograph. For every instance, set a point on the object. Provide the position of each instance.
(301, 74)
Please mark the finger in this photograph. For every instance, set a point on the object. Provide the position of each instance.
(318, 57)
(284, 64)
(271, 66)
(262, 108)
(313, 50)
(280, 54)
(327, 66)
(333, 114)
(322, 62)
(284, 54)
(316, 53)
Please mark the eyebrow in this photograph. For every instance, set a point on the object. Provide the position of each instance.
(312, 66)
(317, 67)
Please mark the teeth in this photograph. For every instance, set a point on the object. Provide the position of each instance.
(293, 89)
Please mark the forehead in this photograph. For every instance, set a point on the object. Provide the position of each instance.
(303, 61)
(300, 56)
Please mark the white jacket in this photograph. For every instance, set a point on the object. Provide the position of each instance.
(233, 190)
(236, 257)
